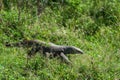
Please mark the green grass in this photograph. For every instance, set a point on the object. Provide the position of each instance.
(84, 27)
(100, 61)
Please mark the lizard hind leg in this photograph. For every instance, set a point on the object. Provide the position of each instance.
(31, 53)
(47, 55)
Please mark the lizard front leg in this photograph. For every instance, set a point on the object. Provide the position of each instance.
(65, 58)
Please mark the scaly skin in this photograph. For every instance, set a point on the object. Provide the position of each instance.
(47, 49)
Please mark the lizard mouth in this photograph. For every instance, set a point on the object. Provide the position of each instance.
(81, 52)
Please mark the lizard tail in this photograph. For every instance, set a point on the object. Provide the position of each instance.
(12, 44)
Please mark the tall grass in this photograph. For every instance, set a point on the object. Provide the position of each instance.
(92, 26)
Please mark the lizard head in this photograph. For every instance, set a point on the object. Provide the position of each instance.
(77, 50)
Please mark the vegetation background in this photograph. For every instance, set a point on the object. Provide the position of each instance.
(92, 25)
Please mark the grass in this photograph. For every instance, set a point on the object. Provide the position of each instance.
(100, 61)
(100, 42)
